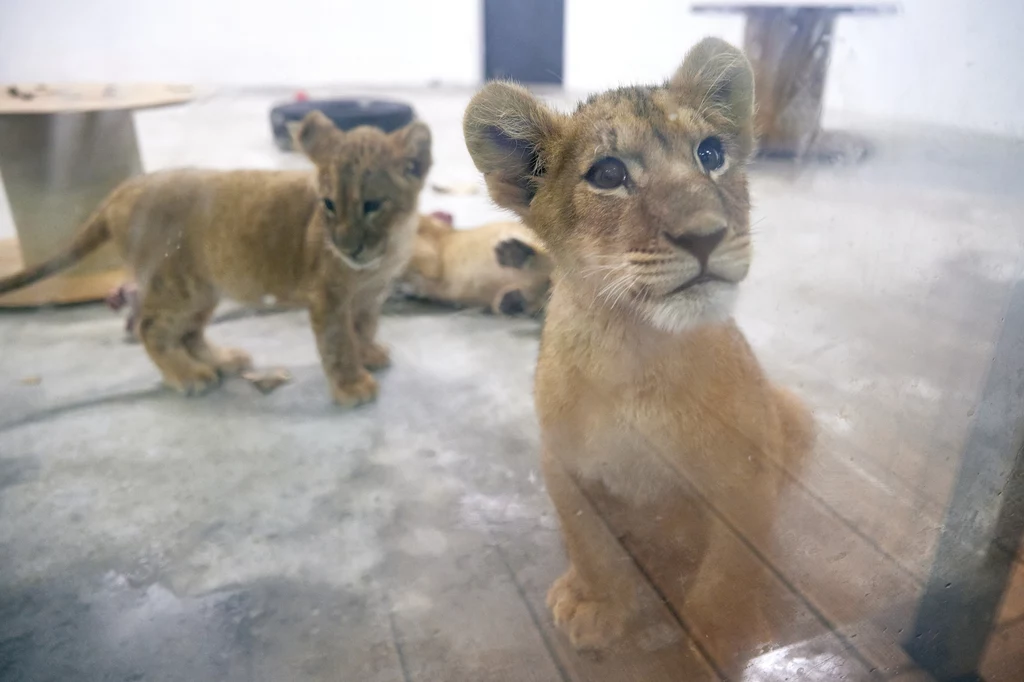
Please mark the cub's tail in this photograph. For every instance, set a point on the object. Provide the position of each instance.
(93, 234)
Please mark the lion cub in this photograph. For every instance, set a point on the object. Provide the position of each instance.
(641, 197)
(497, 266)
(332, 241)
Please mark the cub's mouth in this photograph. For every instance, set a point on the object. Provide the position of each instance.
(359, 258)
(703, 278)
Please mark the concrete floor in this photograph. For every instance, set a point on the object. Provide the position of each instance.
(237, 536)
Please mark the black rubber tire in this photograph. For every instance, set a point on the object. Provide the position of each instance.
(345, 113)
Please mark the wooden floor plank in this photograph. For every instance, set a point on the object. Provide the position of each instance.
(838, 572)
(878, 507)
(658, 650)
(896, 524)
(912, 676)
(457, 615)
(303, 635)
(473, 609)
(748, 618)
(1012, 607)
(1004, 654)
(909, 410)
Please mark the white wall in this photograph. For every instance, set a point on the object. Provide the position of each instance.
(949, 62)
(242, 42)
(954, 62)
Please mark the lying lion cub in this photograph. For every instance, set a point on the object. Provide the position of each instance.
(332, 241)
(643, 379)
(498, 266)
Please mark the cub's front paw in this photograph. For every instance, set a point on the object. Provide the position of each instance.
(511, 302)
(362, 390)
(199, 380)
(590, 623)
(375, 356)
(231, 361)
(512, 253)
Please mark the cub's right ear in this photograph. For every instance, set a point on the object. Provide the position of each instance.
(508, 133)
(316, 136)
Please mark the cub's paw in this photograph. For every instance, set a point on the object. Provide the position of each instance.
(513, 253)
(198, 381)
(588, 622)
(362, 390)
(511, 303)
(375, 356)
(231, 361)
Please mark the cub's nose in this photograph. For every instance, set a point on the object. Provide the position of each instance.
(700, 246)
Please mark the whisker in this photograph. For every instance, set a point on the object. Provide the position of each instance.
(623, 292)
(615, 288)
(608, 287)
(599, 268)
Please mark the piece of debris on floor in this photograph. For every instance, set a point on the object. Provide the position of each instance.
(266, 380)
(32, 380)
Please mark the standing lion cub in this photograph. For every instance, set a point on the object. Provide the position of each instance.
(643, 379)
(332, 241)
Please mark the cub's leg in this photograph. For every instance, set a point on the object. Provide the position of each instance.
(594, 599)
(331, 315)
(167, 315)
(227, 361)
(374, 355)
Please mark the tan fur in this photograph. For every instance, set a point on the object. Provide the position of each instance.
(639, 384)
(193, 236)
(461, 267)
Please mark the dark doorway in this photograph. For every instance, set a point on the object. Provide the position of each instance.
(523, 40)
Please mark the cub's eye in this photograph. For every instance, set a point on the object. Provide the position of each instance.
(608, 173)
(412, 167)
(371, 207)
(711, 154)
(329, 206)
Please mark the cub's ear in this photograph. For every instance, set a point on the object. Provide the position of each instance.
(716, 77)
(508, 133)
(414, 142)
(316, 136)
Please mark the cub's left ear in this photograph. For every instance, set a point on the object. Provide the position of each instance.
(716, 78)
(414, 141)
(316, 136)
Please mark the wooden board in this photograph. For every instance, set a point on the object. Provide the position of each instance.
(656, 650)
(747, 618)
(1004, 655)
(459, 617)
(839, 575)
(1012, 606)
(54, 98)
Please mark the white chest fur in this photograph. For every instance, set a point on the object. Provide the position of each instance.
(627, 456)
(375, 283)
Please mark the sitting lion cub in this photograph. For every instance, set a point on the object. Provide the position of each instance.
(332, 241)
(641, 197)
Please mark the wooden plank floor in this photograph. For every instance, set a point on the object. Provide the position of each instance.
(835, 581)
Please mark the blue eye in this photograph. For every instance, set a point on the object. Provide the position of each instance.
(329, 206)
(711, 154)
(371, 207)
